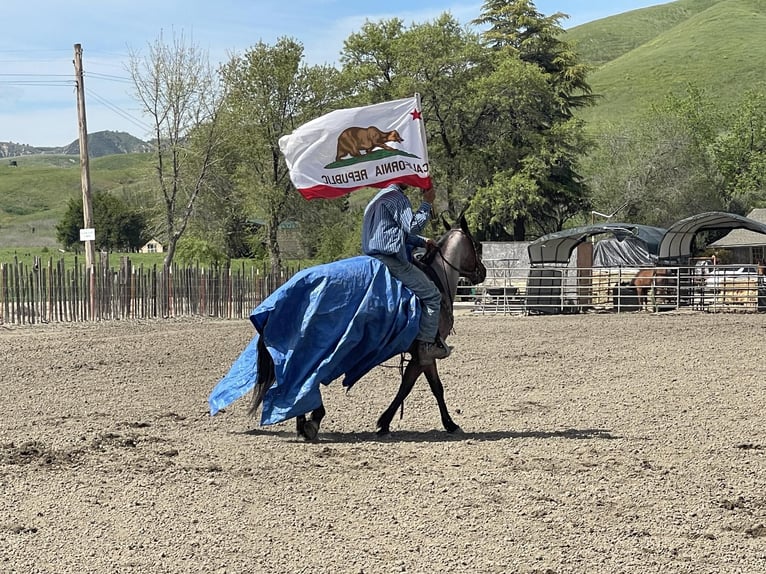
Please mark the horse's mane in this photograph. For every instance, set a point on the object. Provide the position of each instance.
(425, 261)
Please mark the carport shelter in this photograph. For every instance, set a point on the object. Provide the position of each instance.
(640, 242)
(670, 247)
(630, 245)
(676, 245)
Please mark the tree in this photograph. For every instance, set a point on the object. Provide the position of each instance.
(540, 173)
(740, 155)
(270, 93)
(661, 168)
(180, 92)
(439, 60)
(118, 227)
(493, 118)
(371, 60)
(536, 38)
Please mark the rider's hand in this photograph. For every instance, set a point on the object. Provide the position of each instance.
(430, 244)
(429, 195)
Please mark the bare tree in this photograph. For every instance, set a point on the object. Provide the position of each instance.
(182, 95)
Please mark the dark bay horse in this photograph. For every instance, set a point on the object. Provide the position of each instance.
(455, 256)
(651, 281)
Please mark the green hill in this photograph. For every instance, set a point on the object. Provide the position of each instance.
(108, 143)
(607, 39)
(641, 56)
(34, 193)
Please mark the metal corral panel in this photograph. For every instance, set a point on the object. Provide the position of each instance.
(544, 290)
(506, 263)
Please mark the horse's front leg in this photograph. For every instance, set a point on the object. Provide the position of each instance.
(411, 374)
(437, 388)
(641, 296)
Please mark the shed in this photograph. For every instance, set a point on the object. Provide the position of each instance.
(746, 246)
(553, 289)
(152, 246)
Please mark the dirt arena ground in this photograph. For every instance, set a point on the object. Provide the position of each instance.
(592, 444)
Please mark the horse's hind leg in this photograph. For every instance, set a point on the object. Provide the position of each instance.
(309, 428)
(300, 425)
(411, 374)
(437, 388)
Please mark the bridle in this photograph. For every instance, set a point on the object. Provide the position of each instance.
(432, 270)
(474, 273)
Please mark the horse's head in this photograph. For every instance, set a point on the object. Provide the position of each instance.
(458, 250)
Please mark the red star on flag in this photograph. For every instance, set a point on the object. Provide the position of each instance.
(415, 114)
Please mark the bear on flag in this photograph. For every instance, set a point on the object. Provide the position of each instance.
(348, 149)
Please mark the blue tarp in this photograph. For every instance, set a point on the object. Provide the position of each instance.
(342, 318)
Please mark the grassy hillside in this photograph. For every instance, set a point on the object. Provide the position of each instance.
(649, 53)
(607, 39)
(34, 195)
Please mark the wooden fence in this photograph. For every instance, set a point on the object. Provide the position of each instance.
(53, 293)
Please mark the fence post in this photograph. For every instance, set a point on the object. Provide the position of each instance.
(3, 293)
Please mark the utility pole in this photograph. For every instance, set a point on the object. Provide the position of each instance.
(87, 203)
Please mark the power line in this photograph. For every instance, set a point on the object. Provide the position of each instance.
(37, 75)
(37, 83)
(109, 77)
(117, 110)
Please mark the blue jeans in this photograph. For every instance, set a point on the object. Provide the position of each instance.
(425, 290)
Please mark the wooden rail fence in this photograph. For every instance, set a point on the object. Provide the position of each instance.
(45, 293)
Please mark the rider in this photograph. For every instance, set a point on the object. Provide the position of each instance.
(388, 229)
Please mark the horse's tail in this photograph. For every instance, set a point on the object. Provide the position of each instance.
(266, 376)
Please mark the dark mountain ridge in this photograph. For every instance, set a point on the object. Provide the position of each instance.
(99, 144)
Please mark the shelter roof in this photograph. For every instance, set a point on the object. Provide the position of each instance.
(676, 243)
(557, 247)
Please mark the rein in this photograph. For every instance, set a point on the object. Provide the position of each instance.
(460, 271)
(446, 262)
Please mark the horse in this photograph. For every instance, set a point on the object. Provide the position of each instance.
(648, 282)
(454, 256)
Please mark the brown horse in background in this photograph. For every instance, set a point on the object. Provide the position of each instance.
(651, 281)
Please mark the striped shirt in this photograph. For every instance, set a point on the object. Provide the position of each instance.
(389, 225)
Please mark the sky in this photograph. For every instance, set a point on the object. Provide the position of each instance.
(38, 103)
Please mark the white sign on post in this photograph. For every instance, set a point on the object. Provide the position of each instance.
(88, 234)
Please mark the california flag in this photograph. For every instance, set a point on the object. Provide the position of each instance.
(348, 149)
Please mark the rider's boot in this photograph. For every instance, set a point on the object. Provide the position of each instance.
(428, 352)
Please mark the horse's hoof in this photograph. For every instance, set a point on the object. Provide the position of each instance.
(456, 430)
(383, 432)
(310, 430)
